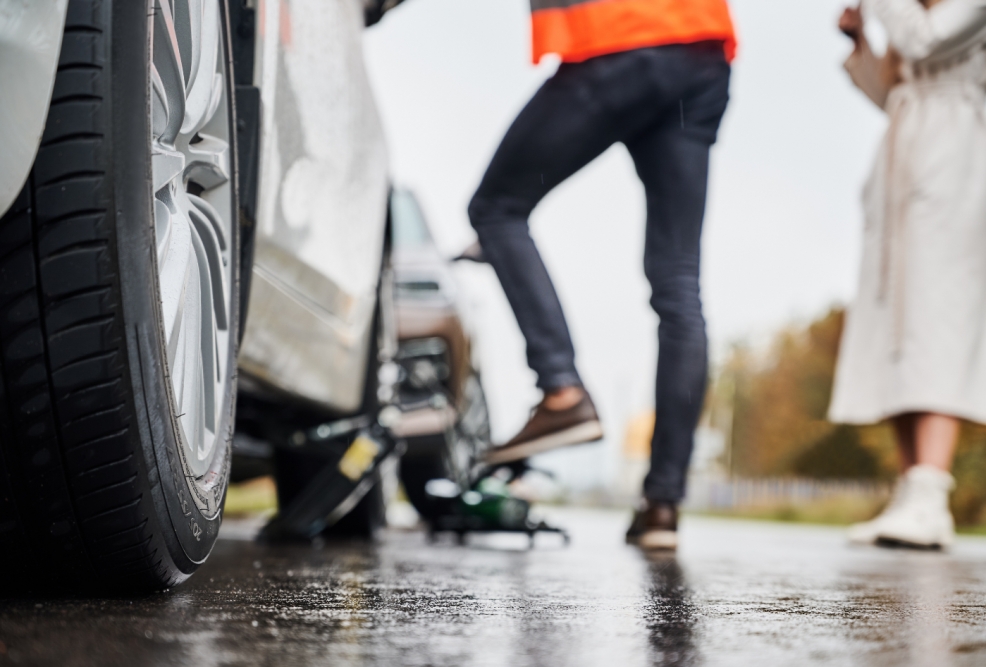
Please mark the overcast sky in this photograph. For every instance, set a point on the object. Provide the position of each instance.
(783, 230)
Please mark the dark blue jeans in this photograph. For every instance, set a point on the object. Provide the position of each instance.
(665, 104)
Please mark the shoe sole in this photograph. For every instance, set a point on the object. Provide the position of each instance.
(896, 543)
(574, 435)
(909, 540)
(658, 540)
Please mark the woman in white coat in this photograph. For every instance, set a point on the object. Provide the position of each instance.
(914, 347)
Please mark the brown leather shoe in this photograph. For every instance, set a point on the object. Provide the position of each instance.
(551, 429)
(655, 527)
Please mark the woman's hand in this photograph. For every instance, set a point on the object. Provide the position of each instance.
(851, 24)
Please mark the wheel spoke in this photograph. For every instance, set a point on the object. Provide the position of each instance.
(178, 359)
(202, 97)
(162, 228)
(168, 67)
(159, 106)
(212, 268)
(166, 166)
(207, 337)
(214, 218)
(173, 270)
(188, 384)
(188, 26)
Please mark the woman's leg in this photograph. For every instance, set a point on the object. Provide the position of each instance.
(927, 439)
(918, 515)
(935, 437)
(904, 430)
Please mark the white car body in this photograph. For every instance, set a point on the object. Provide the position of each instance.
(30, 39)
(323, 203)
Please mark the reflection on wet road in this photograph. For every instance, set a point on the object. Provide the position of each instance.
(737, 594)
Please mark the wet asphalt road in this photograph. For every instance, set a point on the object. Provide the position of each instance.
(738, 593)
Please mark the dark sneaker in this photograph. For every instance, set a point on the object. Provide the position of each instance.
(551, 429)
(655, 527)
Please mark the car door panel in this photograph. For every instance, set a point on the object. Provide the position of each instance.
(322, 203)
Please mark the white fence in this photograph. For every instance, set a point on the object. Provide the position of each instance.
(721, 493)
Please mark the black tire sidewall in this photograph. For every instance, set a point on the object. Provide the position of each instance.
(415, 473)
(188, 533)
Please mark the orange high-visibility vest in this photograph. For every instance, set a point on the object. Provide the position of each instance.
(581, 29)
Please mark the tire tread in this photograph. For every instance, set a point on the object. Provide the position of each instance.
(70, 484)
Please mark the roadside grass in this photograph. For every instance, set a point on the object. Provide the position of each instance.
(252, 498)
(829, 512)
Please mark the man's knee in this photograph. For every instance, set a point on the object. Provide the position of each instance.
(480, 209)
(678, 303)
(491, 208)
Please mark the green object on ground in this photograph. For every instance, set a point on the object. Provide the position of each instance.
(492, 503)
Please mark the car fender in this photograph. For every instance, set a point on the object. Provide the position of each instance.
(30, 41)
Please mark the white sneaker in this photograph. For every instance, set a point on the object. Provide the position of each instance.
(868, 532)
(921, 519)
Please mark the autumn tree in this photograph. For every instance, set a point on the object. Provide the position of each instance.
(776, 402)
(780, 401)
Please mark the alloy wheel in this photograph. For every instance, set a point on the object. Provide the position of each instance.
(193, 220)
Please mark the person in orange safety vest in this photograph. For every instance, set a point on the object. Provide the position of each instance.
(654, 75)
(578, 30)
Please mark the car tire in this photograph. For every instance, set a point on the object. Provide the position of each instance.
(435, 457)
(416, 470)
(97, 489)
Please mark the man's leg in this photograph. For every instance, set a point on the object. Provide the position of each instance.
(569, 122)
(554, 136)
(672, 160)
(672, 262)
(575, 116)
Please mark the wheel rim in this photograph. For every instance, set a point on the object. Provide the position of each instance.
(193, 217)
(472, 431)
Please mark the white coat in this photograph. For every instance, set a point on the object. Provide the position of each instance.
(915, 336)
